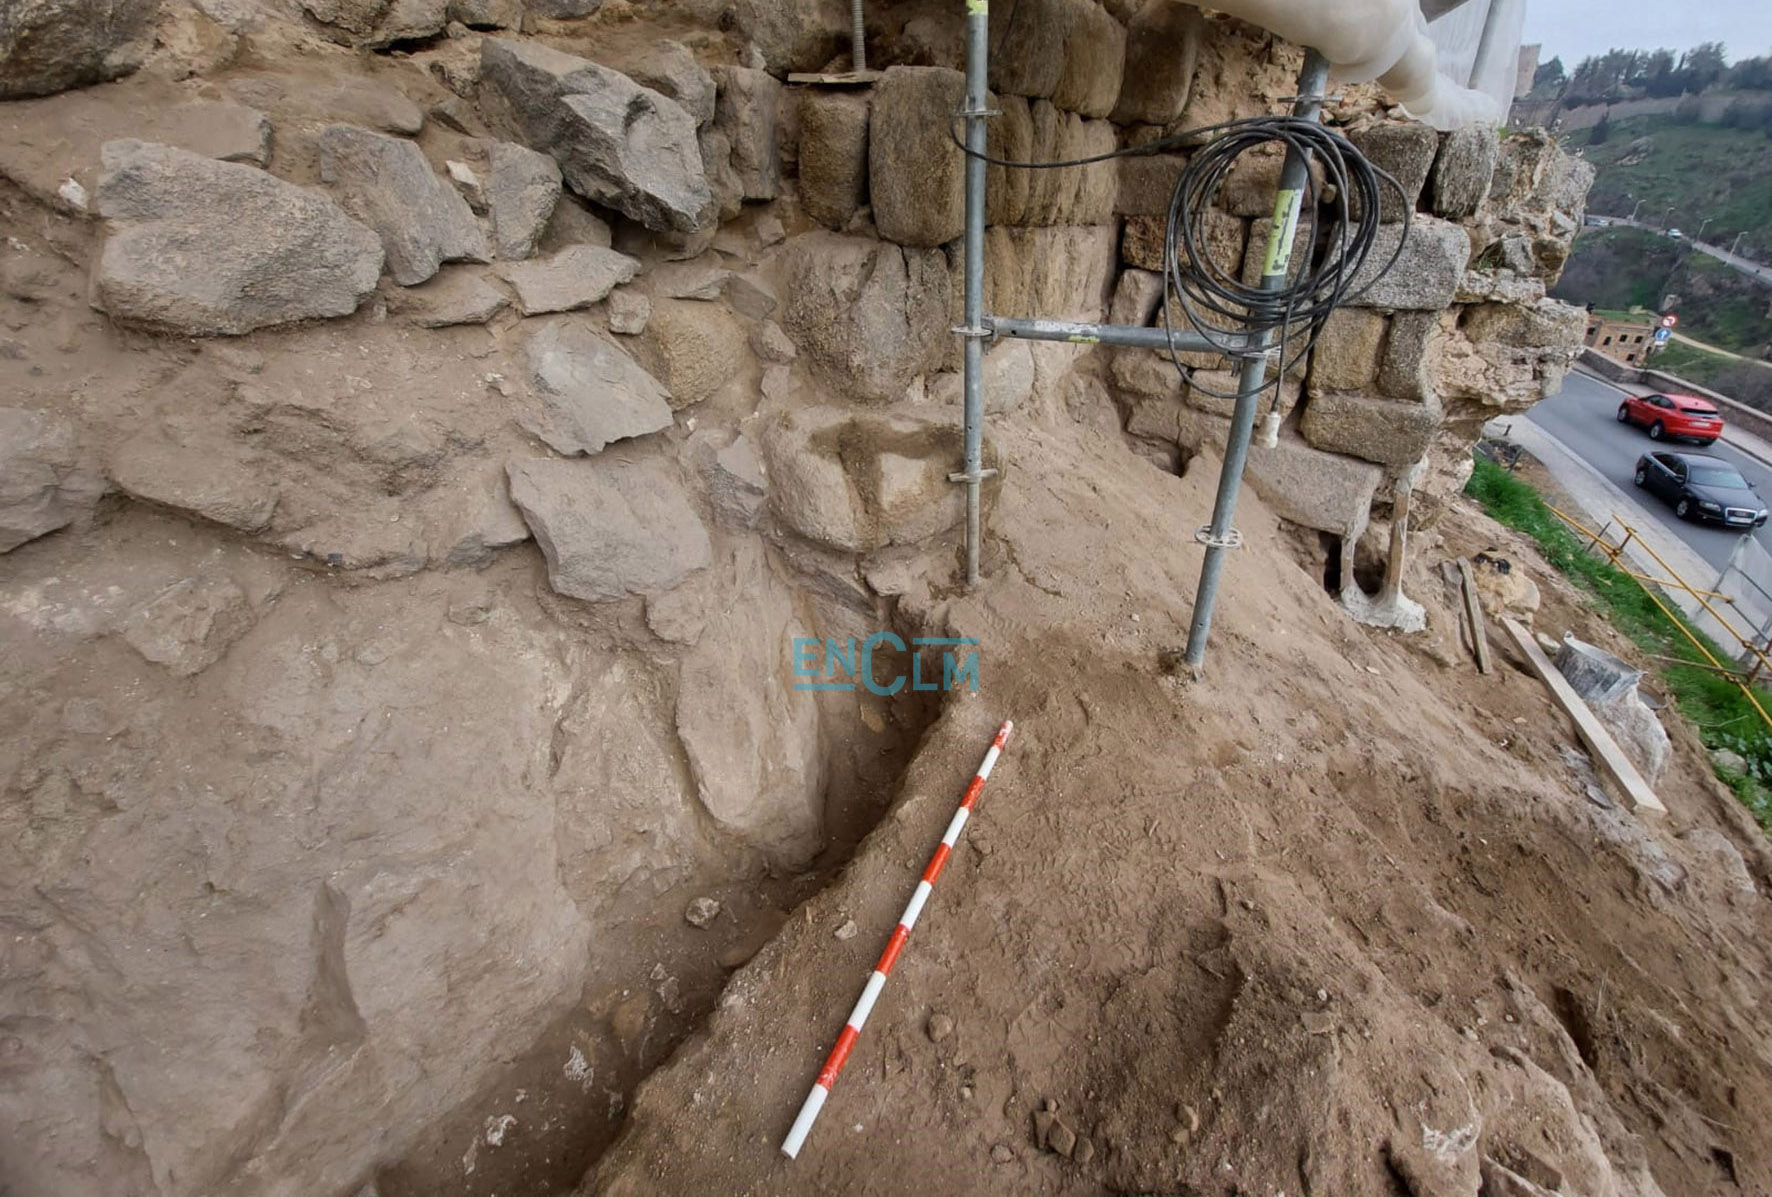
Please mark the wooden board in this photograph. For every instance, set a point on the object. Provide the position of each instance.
(843, 79)
(1612, 761)
(1473, 609)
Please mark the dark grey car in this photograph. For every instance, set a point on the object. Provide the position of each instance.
(1702, 488)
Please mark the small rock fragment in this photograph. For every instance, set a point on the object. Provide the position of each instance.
(771, 344)
(497, 1127)
(628, 312)
(939, 1027)
(1000, 1154)
(701, 912)
(848, 930)
(466, 182)
(689, 280)
(770, 232)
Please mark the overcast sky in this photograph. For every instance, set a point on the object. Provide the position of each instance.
(1575, 29)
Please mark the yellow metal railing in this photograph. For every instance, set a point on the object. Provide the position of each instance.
(1749, 641)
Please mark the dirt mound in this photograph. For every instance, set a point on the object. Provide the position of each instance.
(1336, 920)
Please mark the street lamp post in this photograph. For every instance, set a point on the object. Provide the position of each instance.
(1633, 211)
(1733, 249)
(1701, 227)
(1667, 219)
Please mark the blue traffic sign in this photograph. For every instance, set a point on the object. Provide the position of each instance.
(1662, 334)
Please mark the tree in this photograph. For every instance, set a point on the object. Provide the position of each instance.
(1703, 65)
(1549, 76)
(1601, 131)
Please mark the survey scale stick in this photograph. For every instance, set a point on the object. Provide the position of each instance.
(864, 1005)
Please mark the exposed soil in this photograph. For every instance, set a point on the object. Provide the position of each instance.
(1338, 919)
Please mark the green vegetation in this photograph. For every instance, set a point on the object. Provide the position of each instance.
(1718, 172)
(1619, 269)
(1716, 706)
(1689, 362)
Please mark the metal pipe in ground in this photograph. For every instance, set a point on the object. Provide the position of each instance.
(1219, 537)
(858, 39)
(972, 471)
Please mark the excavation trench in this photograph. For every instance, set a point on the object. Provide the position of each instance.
(561, 1100)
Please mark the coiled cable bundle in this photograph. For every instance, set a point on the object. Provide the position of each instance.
(1212, 294)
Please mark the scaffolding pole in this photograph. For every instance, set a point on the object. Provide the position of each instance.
(972, 471)
(1219, 536)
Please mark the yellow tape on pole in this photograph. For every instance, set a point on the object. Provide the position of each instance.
(1285, 230)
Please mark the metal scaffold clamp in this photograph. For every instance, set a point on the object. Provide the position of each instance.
(1232, 539)
(978, 476)
(980, 331)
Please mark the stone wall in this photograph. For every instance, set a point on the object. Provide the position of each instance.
(417, 467)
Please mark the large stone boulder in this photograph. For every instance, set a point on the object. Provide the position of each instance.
(1426, 274)
(1506, 357)
(1027, 44)
(453, 297)
(586, 393)
(261, 958)
(576, 277)
(387, 184)
(1404, 150)
(202, 247)
(916, 174)
(1376, 430)
(870, 315)
(746, 112)
(1463, 170)
(610, 528)
(1094, 57)
(378, 23)
(1162, 47)
(752, 738)
(216, 482)
(696, 348)
(791, 35)
(43, 485)
(1347, 352)
(861, 481)
(522, 189)
(48, 46)
(1325, 491)
(670, 69)
(617, 143)
(833, 155)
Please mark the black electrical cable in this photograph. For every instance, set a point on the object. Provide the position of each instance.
(1210, 293)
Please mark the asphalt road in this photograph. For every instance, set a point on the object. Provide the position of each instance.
(1745, 266)
(1584, 418)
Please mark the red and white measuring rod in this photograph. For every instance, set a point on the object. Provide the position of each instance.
(858, 1017)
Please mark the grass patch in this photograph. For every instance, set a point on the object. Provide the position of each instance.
(1721, 712)
(1689, 362)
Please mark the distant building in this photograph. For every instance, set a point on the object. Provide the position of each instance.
(1621, 340)
(1529, 56)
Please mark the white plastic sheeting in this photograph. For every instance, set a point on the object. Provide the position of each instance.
(1459, 35)
(1386, 40)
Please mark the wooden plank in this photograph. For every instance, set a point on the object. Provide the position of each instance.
(839, 79)
(1613, 763)
(1473, 608)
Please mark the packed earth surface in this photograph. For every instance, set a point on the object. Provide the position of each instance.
(439, 442)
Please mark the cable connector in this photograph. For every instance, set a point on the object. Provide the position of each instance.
(1270, 429)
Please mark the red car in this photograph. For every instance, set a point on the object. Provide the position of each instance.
(1673, 415)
